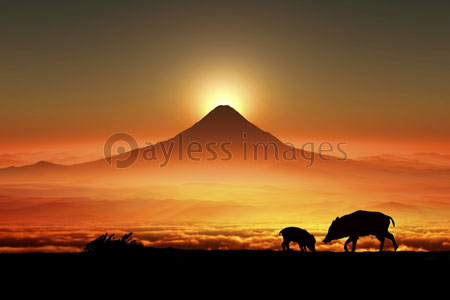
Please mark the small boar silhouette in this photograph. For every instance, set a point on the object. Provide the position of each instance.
(299, 236)
(361, 223)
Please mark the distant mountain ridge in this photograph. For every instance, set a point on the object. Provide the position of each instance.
(222, 139)
(222, 130)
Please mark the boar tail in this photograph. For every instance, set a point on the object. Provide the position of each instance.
(393, 223)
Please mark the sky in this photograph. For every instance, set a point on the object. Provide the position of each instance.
(371, 73)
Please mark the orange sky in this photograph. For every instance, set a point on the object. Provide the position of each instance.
(75, 73)
(373, 75)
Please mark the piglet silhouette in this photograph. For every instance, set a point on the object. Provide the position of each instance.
(299, 236)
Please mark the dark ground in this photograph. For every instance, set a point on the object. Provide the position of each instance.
(170, 273)
(234, 265)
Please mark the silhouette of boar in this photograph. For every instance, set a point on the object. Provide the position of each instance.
(299, 236)
(361, 223)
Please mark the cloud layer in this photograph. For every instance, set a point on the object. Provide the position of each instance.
(206, 236)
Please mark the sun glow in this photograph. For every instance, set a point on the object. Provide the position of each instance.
(223, 92)
(223, 98)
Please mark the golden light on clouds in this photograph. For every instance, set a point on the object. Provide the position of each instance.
(370, 84)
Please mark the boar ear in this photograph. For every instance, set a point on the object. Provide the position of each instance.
(337, 218)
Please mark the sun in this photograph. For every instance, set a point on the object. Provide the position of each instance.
(225, 97)
(213, 89)
(223, 94)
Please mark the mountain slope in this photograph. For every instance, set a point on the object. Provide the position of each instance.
(222, 138)
(223, 143)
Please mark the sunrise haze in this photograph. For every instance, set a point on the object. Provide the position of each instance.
(349, 99)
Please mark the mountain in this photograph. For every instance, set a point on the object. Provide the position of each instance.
(416, 160)
(41, 168)
(223, 138)
(178, 173)
(223, 143)
(225, 132)
(225, 124)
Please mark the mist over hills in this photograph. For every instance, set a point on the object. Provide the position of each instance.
(224, 144)
(207, 175)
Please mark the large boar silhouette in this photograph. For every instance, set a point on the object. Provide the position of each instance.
(361, 223)
(299, 236)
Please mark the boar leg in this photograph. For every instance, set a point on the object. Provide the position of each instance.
(285, 245)
(381, 239)
(354, 240)
(346, 243)
(391, 237)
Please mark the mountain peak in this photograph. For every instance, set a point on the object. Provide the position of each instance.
(224, 112)
(224, 107)
(222, 117)
(224, 123)
(44, 163)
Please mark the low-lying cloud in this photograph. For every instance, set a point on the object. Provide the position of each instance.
(206, 236)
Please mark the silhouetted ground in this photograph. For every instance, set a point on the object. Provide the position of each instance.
(170, 273)
(201, 266)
